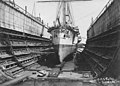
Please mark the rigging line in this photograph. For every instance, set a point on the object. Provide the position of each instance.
(86, 16)
(71, 14)
(58, 14)
(58, 10)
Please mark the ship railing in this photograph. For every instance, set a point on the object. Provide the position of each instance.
(20, 9)
(103, 10)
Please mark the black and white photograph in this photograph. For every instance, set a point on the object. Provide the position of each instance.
(59, 43)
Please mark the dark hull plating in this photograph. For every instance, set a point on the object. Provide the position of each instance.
(103, 53)
(102, 49)
(63, 51)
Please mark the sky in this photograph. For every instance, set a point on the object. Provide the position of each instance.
(83, 11)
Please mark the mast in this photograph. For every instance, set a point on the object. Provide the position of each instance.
(64, 13)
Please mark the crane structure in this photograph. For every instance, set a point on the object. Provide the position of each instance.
(64, 14)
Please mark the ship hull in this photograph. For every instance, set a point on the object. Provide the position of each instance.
(64, 41)
(64, 51)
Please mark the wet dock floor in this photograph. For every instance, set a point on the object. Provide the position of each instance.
(81, 63)
(64, 77)
(71, 74)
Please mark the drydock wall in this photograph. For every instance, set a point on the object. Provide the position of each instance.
(23, 40)
(108, 18)
(102, 49)
(15, 18)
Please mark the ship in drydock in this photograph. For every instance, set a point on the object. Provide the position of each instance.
(64, 40)
(28, 57)
(64, 32)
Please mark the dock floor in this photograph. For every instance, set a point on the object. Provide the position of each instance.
(57, 76)
(64, 77)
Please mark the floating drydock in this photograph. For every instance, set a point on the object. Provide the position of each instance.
(27, 56)
(26, 50)
(102, 49)
(23, 40)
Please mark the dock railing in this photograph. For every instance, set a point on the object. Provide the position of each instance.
(100, 14)
(20, 9)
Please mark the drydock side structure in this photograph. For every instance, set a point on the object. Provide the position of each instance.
(22, 39)
(102, 49)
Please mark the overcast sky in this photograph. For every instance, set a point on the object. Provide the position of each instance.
(83, 11)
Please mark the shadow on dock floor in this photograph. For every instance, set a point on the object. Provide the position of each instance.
(81, 63)
(49, 60)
